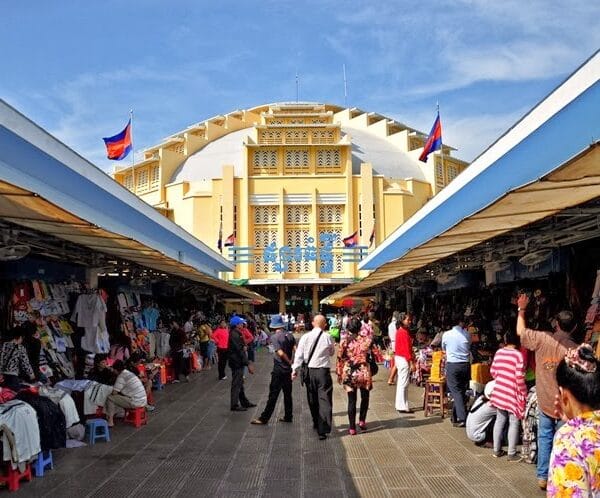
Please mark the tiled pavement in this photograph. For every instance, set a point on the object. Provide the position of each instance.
(194, 446)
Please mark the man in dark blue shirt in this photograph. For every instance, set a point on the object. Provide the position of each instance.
(284, 344)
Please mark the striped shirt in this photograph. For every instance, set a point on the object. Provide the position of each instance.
(510, 392)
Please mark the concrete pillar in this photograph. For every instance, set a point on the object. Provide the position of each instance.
(91, 277)
(282, 299)
(315, 299)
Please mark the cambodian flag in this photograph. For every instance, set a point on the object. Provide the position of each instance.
(119, 146)
(434, 142)
(351, 240)
(230, 241)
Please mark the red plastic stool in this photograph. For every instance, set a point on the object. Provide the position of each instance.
(13, 477)
(136, 416)
(170, 373)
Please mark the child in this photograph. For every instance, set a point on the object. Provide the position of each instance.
(575, 458)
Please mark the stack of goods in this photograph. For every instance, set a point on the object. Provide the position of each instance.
(437, 366)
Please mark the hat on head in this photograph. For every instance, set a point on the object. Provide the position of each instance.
(276, 322)
(489, 387)
(236, 320)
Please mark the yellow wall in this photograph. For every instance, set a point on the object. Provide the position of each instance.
(197, 205)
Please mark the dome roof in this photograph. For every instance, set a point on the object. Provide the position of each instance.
(387, 159)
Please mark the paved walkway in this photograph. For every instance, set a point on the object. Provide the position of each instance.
(194, 446)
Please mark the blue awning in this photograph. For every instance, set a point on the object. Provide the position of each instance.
(47, 186)
(546, 162)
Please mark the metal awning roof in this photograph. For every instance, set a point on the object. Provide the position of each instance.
(547, 162)
(46, 186)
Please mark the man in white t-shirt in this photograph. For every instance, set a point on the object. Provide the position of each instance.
(128, 392)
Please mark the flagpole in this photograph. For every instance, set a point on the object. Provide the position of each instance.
(132, 151)
(441, 139)
(345, 87)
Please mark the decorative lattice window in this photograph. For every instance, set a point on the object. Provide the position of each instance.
(297, 214)
(266, 215)
(296, 137)
(297, 237)
(336, 231)
(318, 121)
(128, 182)
(262, 238)
(328, 160)
(296, 121)
(264, 162)
(323, 136)
(142, 180)
(270, 137)
(296, 161)
(331, 213)
(452, 172)
(439, 175)
(276, 122)
(154, 177)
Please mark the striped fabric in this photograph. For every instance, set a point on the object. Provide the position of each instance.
(510, 392)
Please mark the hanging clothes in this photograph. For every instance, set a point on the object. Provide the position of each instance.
(51, 420)
(90, 313)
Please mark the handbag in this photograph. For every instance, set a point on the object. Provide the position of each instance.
(304, 377)
(373, 364)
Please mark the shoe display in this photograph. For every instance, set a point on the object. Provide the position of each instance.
(514, 458)
(239, 409)
(352, 432)
(363, 425)
(498, 454)
(258, 421)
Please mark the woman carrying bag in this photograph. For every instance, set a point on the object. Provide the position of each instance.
(354, 371)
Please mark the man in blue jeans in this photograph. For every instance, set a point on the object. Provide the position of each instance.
(456, 342)
(549, 349)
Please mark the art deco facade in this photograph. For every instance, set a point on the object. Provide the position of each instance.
(286, 183)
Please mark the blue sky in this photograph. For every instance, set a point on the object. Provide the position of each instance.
(76, 68)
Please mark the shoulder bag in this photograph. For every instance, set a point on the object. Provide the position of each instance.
(304, 367)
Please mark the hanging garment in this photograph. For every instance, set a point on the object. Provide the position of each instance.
(65, 402)
(51, 420)
(21, 420)
(94, 396)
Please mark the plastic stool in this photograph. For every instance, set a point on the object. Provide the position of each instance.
(13, 477)
(136, 416)
(41, 463)
(97, 429)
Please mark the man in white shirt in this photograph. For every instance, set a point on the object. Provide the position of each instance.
(128, 392)
(319, 388)
(392, 328)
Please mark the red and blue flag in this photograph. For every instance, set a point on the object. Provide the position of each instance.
(118, 146)
(351, 240)
(434, 142)
(230, 241)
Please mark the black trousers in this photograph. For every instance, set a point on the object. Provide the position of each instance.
(181, 365)
(222, 362)
(319, 392)
(458, 376)
(280, 381)
(238, 396)
(364, 406)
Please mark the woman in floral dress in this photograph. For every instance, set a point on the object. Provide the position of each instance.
(575, 458)
(353, 370)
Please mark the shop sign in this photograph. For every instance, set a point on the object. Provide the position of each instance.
(281, 257)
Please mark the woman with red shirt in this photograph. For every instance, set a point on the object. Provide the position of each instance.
(404, 360)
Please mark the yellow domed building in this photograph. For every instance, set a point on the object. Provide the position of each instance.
(295, 193)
